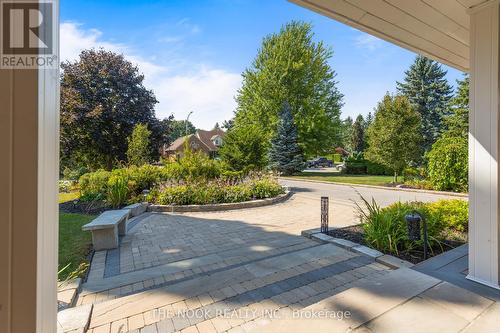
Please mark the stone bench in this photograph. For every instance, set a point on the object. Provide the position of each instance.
(137, 209)
(107, 227)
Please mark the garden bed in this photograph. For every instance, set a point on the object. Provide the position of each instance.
(220, 207)
(356, 234)
(77, 206)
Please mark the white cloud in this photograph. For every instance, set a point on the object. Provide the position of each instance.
(369, 42)
(74, 39)
(207, 91)
(179, 87)
(186, 24)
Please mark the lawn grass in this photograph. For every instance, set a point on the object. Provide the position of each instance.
(337, 177)
(68, 196)
(74, 243)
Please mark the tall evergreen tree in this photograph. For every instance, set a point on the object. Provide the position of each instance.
(368, 120)
(428, 90)
(346, 133)
(285, 154)
(457, 123)
(291, 66)
(358, 135)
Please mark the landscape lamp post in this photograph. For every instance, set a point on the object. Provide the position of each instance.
(324, 215)
(413, 222)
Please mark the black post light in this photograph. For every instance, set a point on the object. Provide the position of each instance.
(414, 221)
(145, 194)
(324, 215)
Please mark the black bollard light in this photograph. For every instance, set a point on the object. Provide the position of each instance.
(145, 194)
(324, 215)
(413, 222)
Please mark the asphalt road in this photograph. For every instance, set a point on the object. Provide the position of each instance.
(348, 193)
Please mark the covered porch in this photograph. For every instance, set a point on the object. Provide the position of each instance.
(463, 34)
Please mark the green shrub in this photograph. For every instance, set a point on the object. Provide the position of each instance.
(382, 229)
(373, 168)
(386, 229)
(358, 165)
(93, 186)
(448, 164)
(423, 184)
(337, 158)
(410, 174)
(74, 174)
(194, 166)
(65, 186)
(117, 190)
(237, 193)
(453, 213)
(355, 165)
(266, 188)
(144, 177)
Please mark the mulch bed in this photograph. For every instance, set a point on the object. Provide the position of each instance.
(356, 234)
(83, 207)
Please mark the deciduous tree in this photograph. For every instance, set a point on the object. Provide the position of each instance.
(394, 136)
(102, 99)
(291, 67)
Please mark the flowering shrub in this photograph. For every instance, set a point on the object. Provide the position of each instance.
(216, 191)
(195, 179)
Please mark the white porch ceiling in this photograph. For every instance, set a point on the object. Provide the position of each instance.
(438, 29)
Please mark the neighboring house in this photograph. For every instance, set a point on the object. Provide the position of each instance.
(207, 142)
(341, 151)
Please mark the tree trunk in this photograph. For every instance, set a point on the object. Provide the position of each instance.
(395, 176)
(109, 163)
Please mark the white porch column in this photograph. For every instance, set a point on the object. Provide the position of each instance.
(484, 220)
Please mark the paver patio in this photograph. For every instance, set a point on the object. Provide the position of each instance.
(251, 271)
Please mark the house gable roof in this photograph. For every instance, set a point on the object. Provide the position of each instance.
(206, 137)
(203, 138)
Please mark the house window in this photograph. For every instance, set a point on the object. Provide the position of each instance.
(217, 141)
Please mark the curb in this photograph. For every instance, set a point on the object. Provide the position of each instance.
(219, 207)
(451, 194)
(385, 259)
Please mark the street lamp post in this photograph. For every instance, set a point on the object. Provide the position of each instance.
(187, 121)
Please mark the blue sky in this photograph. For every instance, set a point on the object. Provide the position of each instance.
(193, 52)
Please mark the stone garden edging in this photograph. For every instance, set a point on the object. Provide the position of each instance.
(219, 207)
(385, 259)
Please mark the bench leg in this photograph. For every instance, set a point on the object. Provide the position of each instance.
(122, 227)
(105, 239)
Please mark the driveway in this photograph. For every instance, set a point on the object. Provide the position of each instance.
(347, 193)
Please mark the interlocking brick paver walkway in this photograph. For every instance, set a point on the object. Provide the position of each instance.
(252, 262)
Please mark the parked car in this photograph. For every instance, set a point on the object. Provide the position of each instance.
(320, 162)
